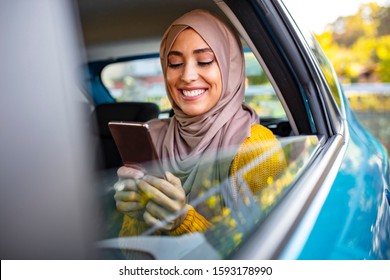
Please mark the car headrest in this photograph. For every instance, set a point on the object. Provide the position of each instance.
(123, 111)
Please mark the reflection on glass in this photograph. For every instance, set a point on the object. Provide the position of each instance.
(327, 69)
(234, 212)
(236, 223)
(319, 54)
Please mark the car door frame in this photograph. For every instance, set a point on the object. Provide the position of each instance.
(300, 85)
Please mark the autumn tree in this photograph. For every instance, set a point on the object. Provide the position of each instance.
(359, 45)
(383, 16)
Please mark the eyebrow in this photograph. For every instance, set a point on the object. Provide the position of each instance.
(197, 51)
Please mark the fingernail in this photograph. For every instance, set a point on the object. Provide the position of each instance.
(119, 186)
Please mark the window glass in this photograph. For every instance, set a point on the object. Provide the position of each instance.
(323, 62)
(138, 80)
(142, 80)
(259, 93)
(326, 68)
(233, 211)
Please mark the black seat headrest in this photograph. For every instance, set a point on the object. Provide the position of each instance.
(124, 111)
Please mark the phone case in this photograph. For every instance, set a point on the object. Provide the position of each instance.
(136, 147)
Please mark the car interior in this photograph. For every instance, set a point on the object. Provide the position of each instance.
(119, 33)
(124, 82)
(124, 79)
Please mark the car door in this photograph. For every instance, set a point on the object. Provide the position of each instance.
(323, 195)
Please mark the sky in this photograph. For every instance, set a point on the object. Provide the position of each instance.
(317, 14)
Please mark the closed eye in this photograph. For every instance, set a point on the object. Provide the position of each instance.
(206, 63)
(174, 65)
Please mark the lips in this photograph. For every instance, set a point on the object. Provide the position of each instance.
(193, 93)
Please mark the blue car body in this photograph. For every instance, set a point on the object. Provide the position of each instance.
(354, 220)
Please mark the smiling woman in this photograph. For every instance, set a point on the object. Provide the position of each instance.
(203, 65)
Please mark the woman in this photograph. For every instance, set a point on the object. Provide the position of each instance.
(203, 67)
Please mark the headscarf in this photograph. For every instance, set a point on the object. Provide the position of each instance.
(182, 140)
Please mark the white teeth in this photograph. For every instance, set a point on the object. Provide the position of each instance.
(193, 92)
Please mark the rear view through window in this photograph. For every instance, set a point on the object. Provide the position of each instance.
(141, 80)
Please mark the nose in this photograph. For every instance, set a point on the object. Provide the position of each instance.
(189, 73)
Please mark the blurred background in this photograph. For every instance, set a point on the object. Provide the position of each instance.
(355, 35)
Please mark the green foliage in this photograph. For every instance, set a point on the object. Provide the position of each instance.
(359, 45)
(359, 48)
(258, 79)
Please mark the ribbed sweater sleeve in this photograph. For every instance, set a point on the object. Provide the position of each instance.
(259, 161)
(194, 222)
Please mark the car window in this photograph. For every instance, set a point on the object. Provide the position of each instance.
(141, 80)
(319, 55)
(234, 215)
(234, 207)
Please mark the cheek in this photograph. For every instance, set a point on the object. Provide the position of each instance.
(170, 77)
(215, 78)
(171, 80)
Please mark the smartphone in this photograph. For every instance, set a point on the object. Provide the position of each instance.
(136, 147)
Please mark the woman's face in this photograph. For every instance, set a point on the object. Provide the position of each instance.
(193, 75)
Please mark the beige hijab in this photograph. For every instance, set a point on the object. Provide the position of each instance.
(183, 140)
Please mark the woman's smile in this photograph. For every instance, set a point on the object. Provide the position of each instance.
(193, 93)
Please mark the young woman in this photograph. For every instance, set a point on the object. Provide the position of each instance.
(203, 67)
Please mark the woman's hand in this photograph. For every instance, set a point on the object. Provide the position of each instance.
(129, 199)
(166, 201)
(160, 202)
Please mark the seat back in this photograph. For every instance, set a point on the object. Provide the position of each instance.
(124, 111)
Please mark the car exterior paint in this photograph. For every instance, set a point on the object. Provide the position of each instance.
(354, 220)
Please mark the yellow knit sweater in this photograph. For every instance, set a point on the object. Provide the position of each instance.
(259, 160)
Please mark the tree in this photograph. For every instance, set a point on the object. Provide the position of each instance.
(359, 45)
(383, 53)
(347, 30)
(383, 17)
